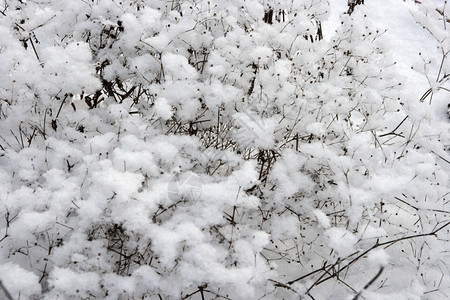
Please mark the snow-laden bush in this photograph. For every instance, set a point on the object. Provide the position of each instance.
(215, 149)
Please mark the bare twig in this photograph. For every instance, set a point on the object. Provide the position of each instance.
(377, 245)
(369, 283)
(393, 131)
(5, 291)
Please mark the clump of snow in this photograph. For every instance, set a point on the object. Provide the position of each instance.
(255, 130)
(73, 284)
(163, 109)
(246, 176)
(378, 258)
(322, 218)
(259, 240)
(341, 240)
(18, 281)
(176, 67)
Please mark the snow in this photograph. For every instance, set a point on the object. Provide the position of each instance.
(190, 149)
(163, 109)
(254, 130)
(19, 281)
(72, 284)
(378, 258)
(176, 67)
(322, 218)
(341, 240)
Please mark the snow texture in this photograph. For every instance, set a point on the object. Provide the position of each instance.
(210, 149)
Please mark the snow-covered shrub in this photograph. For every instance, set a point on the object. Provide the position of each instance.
(214, 149)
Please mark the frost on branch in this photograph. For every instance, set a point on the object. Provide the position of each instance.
(215, 149)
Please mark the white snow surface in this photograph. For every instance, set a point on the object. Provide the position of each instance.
(316, 163)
